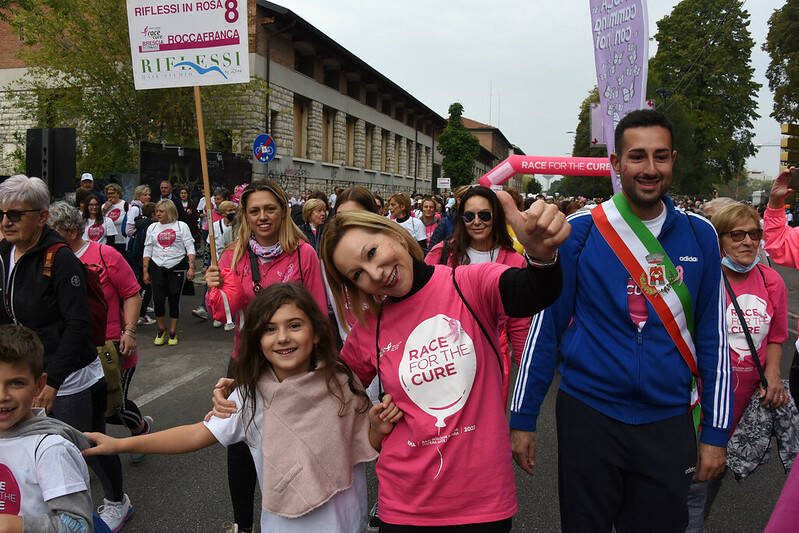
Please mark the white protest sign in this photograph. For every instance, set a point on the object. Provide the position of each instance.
(188, 43)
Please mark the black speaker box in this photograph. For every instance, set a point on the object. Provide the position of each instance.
(50, 155)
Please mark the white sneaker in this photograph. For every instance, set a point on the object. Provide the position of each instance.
(150, 309)
(200, 313)
(115, 514)
(145, 320)
(218, 324)
(230, 326)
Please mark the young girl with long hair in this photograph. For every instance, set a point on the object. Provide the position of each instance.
(269, 249)
(317, 432)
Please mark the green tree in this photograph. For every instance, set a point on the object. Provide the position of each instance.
(81, 76)
(531, 185)
(704, 60)
(459, 149)
(783, 70)
(589, 186)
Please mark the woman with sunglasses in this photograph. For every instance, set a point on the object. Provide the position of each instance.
(427, 333)
(99, 228)
(269, 249)
(763, 298)
(481, 236)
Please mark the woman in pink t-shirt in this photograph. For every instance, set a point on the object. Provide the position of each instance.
(763, 299)
(481, 236)
(429, 333)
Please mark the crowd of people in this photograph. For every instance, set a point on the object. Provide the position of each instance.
(367, 329)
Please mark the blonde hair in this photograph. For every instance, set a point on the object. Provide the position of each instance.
(114, 187)
(224, 206)
(334, 231)
(289, 234)
(310, 206)
(169, 208)
(728, 217)
(139, 191)
(716, 204)
(403, 200)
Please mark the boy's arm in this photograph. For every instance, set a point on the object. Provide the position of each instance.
(71, 513)
(181, 439)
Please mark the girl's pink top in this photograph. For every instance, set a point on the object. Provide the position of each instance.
(764, 302)
(517, 327)
(119, 283)
(238, 286)
(781, 241)
(448, 460)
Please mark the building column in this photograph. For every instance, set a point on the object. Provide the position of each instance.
(339, 137)
(402, 143)
(377, 148)
(315, 131)
(390, 151)
(359, 158)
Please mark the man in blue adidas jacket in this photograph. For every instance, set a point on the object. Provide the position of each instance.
(627, 448)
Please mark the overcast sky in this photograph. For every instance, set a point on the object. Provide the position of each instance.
(523, 66)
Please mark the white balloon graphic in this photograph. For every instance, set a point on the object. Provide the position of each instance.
(438, 367)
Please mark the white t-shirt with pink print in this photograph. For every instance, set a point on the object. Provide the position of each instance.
(448, 461)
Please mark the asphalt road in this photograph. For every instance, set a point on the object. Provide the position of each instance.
(189, 492)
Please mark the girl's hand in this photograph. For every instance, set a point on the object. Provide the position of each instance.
(213, 277)
(383, 415)
(776, 395)
(223, 408)
(103, 445)
(145, 278)
(780, 190)
(541, 229)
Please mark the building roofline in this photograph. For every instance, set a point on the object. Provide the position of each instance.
(283, 11)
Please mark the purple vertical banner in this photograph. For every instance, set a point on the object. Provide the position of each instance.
(621, 54)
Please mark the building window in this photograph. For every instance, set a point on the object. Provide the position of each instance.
(327, 134)
(354, 90)
(304, 64)
(371, 99)
(301, 107)
(350, 157)
(332, 79)
(370, 131)
(272, 122)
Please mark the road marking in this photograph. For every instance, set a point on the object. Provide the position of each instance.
(156, 393)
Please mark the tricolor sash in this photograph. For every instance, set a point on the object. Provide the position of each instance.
(651, 269)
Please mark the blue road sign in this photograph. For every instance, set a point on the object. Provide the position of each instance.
(264, 148)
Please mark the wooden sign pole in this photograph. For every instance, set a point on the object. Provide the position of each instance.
(209, 208)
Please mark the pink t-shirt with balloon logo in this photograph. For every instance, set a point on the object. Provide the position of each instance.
(448, 460)
(763, 300)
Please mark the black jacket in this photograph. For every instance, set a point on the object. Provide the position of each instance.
(313, 240)
(56, 308)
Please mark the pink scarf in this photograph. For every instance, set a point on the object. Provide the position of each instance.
(308, 450)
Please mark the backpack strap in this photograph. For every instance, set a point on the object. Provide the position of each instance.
(49, 257)
(474, 315)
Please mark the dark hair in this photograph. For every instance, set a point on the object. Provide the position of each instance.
(86, 216)
(460, 236)
(251, 363)
(359, 195)
(380, 199)
(148, 209)
(20, 345)
(642, 118)
(322, 196)
(80, 196)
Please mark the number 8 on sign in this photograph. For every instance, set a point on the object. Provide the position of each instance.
(232, 11)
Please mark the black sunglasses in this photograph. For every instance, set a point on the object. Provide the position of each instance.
(484, 215)
(15, 215)
(739, 235)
